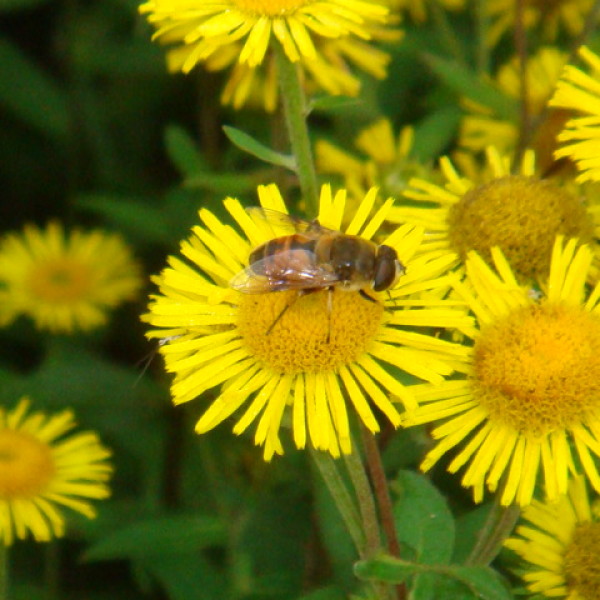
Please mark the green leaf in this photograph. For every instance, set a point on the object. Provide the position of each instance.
(386, 569)
(467, 83)
(183, 152)
(434, 134)
(468, 529)
(483, 582)
(30, 95)
(251, 146)
(423, 520)
(157, 537)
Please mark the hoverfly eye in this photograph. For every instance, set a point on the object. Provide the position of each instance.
(387, 268)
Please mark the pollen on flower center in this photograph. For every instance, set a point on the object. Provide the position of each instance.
(270, 8)
(522, 215)
(582, 561)
(308, 337)
(26, 465)
(59, 281)
(538, 369)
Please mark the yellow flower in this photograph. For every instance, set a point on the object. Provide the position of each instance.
(483, 128)
(561, 541)
(580, 92)
(64, 281)
(324, 352)
(388, 164)
(42, 471)
(330, 71)
(550, 17)
(530, 404)
(325, 37)
(522, 214)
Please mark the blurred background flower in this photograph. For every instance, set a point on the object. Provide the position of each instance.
(45, 468)
(66, 281)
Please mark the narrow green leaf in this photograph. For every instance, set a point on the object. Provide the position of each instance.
(467, 83)
(435, 133)
(387, 569)
(30, 95)
(156, 537)
(251, 146)
(183, 152)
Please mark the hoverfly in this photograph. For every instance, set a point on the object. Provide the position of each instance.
(315, 258)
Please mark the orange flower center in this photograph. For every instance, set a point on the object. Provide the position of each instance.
(310, 336)
(60, 281)
(26, 465)
(538, 369)
(522, 215)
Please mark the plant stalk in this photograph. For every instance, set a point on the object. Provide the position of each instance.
(3, 571)
(295, 111)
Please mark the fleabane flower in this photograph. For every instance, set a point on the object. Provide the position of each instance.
(304, 359)
(65, 281)
(580, 92)
(45, 467)
(529, 408)
(520, 213)
(325, 37)
(560, 545)
(485, 126)
(388, 163)
(549, 18)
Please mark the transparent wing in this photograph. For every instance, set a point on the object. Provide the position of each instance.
(286, 223)
(292, 270)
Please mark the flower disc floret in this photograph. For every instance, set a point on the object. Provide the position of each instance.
(521, 215)
(310, 337)
(538, 369)
(328, 352)
(582, 561)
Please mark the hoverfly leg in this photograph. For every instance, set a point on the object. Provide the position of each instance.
(366, 296)
(285, 309)
(390, 297)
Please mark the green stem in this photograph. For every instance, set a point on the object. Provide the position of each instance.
(498, 526)
(294, 105)
(366, 502)
(3, 571)
(344, 502)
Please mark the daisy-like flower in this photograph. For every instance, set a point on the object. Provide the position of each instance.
(388, 164)
(327, 350)
(561, 543)
(482, 127)
(65, 281)
(580, 92)
(530, 405)
(522, 214)
(550, 17)
(330, 70)
(325, 38)
(44, 467)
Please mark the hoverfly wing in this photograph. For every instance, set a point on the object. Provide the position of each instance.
(294, 271)
(284, 223)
